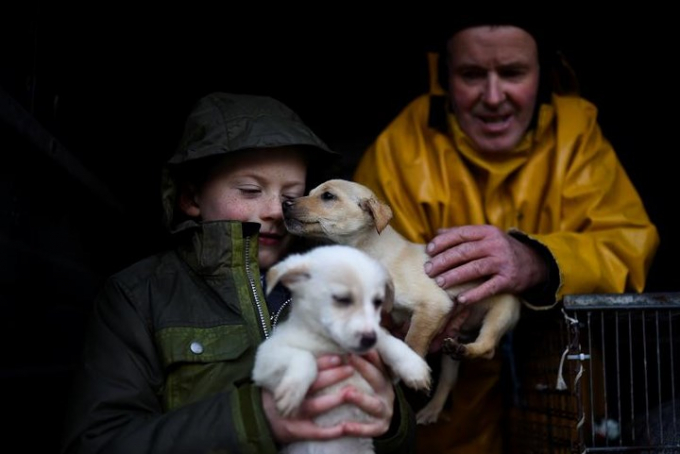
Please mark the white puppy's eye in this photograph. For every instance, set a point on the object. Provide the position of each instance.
(377, 302)
(343, 300)
(327, 196)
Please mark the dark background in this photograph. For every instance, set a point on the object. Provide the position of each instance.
(92, 99)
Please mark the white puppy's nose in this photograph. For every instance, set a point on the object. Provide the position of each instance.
(368, 339)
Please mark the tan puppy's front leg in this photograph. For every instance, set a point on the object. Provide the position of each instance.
(427, 319)
(447, 379)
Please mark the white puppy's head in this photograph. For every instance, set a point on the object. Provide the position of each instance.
(338, 293)
(338, 210)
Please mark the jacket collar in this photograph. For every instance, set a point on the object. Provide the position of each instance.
(215, 248)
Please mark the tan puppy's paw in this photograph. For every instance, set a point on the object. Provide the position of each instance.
(457, 350)
(428, 414)
(452, 347)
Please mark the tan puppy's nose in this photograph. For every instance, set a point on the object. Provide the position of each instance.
(287, 205)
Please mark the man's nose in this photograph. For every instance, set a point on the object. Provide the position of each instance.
(493, 90)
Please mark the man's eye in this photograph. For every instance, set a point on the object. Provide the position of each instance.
(512, 73)
(472, 74)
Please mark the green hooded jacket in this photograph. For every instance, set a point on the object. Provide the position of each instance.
(171, 340)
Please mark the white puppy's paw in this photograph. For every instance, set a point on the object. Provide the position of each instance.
(415, 372)
(405, 364)
(288, 396)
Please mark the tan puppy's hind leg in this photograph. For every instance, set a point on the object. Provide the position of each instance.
(447, 379)
(502, 315)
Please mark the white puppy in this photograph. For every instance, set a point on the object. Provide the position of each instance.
(338, 293)
(346, 212)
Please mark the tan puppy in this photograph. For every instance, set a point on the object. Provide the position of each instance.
(338, 294)
(345, 212)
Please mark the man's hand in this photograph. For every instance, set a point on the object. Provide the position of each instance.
(482, 252)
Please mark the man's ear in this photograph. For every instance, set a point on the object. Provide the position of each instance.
(187, 201)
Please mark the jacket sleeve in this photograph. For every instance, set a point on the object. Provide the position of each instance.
(115, 405)
(400, 438)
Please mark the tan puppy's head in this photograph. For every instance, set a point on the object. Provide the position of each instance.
(341, 211)
(338, 293)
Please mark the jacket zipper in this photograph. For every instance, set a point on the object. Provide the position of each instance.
(275, 317)
(253, 288)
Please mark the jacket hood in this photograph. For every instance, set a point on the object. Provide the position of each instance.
(222, 123)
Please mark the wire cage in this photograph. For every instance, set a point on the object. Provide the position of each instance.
(599, 374)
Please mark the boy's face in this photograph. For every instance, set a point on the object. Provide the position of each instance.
(250, 187)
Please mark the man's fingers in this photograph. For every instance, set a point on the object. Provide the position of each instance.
(484, 290)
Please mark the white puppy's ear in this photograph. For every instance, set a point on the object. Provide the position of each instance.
(381, 212)
(292, 270)
(389, 296)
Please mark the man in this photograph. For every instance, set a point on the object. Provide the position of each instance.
(507, 180)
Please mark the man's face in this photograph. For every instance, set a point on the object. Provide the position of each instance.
(493, 81)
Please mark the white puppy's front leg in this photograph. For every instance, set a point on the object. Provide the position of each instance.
(405, 363)
(298, 377)
(287, 373)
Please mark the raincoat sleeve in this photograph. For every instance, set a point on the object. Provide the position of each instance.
(605, 241)
(116, 405)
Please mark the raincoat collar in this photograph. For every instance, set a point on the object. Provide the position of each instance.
(501, 163)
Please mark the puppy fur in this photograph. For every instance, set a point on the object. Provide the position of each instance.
(338, 293)
(348, 213)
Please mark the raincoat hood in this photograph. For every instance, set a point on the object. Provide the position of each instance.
(222, 123)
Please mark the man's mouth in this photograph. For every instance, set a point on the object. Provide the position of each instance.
(495, 119)
(495, 123)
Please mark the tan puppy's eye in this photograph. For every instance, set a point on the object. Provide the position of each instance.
(343, 300)
(328, 196)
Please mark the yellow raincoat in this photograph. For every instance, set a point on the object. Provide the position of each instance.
(563, 186)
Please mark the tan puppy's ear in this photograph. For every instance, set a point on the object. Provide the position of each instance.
(291, 271)
(381, 212)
